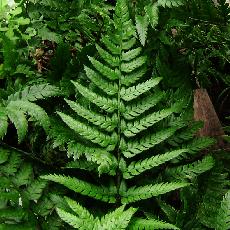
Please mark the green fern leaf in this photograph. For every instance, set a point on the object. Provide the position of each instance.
(23, 176)
(103, 122)
(152, 13)
(3, 123)
(132, 65)
(11, 167)
(129, 44)
(106, 104)
(147, 142)
(73, 220)
(170, 3)
(35, 189)
(107, 87)
(149, 224)
(110, 59)
(33, 110)
(142, 24)
(84, 188)
(191, 170)
(136, 168)
(113, 48)
(223, 217)
(140, 193)
(131, 54)
(118, 219)
(4, 155)
(88, 132)
(35, 92)
(135, 91)
(136, 127)
(18, 118)
(133, 77)
(137, 108)
(104, 70)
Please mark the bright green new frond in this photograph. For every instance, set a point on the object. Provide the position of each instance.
(18, 118)
(150, 224)
(3, 122)
(84, 188)
(122, 11)
(137, 108)
(136, 168)
(88, 132)
(118, 219)
(33, 110)
(73, 220)
(136, 127)
(144, 192)
(223, 216)
(129, 79)
(108, 87)
(170, 3)
(110, 59)
(106, 104)
(104, 70)
(135, 91)
(82, 212)
(192, 170)
(35, 92)
(130, 66)
(131, 54)
(103, 122)
(147, 142)
(113, 48)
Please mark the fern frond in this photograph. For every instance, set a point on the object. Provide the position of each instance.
(23, 175)
(134, 194)
(131, 78)
(84, 188)
(137, 108)
(131, 54)
(136, 168)
(104, 70)
(103, 122)
(107, 87)
(73, 220)
(110, 59)
(33, 110)
(11, 167)
(129, 44)
(3, 122)
(88, 132)
(191, 170)
(35, 92)
(142, 24)
(82, 212)
(118, 219)
(106, 104)
(19, 120)
(136, 127)
(223, 216)
(35, 189)
(135, 91)
(147, 142)
(112, 47)
(170, 3)
(130, 66)
(149, 224)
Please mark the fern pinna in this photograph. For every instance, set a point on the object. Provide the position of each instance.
(122, 127)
